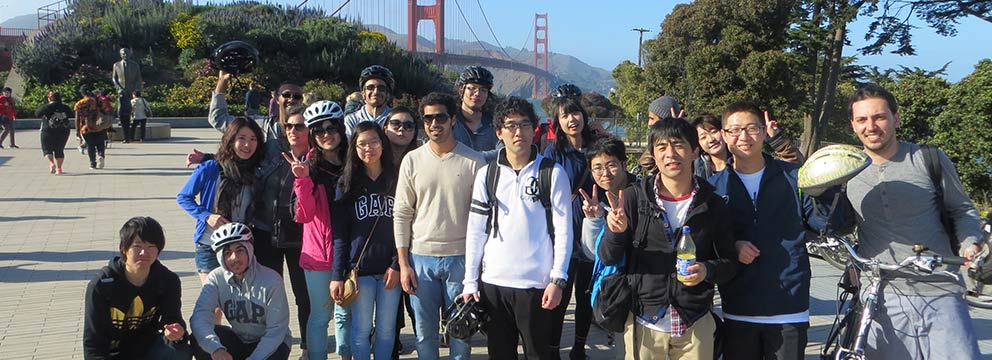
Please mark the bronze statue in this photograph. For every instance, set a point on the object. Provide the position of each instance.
(127, 80)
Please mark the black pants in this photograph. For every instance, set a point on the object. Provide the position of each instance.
(239, 350)
(96, 145)
(401, 322)
(516, 314)
(127, 128)
(579, 277)
(136, 123)
(748, 341)
(273, 257)
(53, 142)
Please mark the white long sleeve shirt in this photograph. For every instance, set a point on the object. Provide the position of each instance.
(520, 254)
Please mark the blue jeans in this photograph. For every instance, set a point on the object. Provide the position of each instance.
(374, 298)
(318, 287)
(439, 281)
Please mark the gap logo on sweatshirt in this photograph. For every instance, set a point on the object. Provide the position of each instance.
(373, 205)
(244, 311)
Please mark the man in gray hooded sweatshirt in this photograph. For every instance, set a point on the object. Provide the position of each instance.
(252, 297)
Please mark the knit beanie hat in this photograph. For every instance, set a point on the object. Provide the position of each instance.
(661, 106)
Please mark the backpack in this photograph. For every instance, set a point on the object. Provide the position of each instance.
(610, 292)
(936, 172)
(544, 186)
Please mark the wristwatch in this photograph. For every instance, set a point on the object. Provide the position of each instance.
(560, 283)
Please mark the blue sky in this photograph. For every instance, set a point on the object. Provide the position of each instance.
(600, 34)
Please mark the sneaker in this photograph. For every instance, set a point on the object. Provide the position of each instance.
(82, 150)
(99, 163)
(125, 142)
(58, 171)
(12, 146)
(51, 169)
(92, 167)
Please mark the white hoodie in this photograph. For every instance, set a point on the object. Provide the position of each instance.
(521, 254)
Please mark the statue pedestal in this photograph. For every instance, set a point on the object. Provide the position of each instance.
(153, 131)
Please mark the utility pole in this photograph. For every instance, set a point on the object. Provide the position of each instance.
(639, 42)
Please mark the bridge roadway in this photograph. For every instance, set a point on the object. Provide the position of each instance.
(56, 231)
(484, 61)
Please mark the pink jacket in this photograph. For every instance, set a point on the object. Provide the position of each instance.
(313, 211)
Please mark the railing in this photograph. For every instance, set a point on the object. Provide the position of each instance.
(51, 12)
(15, 32)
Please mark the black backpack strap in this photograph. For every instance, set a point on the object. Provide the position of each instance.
(544, 181)
(492, 179)
(932, 161)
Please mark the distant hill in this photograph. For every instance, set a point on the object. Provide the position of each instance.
(567, 68)
(28, 21)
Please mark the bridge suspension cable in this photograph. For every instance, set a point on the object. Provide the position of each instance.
(486, 18)
(459, 6)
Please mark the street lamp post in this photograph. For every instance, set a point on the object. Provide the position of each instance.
(640, 41)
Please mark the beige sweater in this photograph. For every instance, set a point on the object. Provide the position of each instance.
(433, 197)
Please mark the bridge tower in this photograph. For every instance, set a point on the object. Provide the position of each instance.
(540, 55)
(433, 13)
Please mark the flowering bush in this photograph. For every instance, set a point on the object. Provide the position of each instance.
(185, 32)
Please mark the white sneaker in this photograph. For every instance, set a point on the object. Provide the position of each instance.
(99, 163)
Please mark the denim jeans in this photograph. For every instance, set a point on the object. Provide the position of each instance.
(439, 281)
(321, 307)
(374, 298)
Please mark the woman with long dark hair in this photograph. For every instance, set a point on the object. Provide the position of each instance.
(573, 136)
(225, 187)
(54, 130)
(402, 130)
(316, 177)
(362, 218)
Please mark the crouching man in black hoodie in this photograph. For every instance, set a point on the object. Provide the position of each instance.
(133, 305)
(670, 318)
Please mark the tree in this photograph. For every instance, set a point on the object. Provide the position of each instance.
(892, 25)
(962, 130)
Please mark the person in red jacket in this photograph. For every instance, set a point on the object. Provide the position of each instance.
(7, 115)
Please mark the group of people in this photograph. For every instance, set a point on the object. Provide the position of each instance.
(368, 221)
(91, 123)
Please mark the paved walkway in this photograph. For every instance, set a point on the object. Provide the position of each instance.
(56, 231)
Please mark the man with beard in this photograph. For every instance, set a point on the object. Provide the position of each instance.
(376, 84)
(429, 221)
(474, 120)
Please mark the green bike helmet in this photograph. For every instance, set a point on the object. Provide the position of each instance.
(831, 166)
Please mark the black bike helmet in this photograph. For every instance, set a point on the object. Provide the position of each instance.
(465, 318)
(566, 91)
(377, 72)
(235, 57)
(476, 75)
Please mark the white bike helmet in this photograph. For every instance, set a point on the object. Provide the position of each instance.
(322, 110)
(228, 234)
(831, 166)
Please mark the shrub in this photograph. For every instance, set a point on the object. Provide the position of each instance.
(185, 32)
(325, 90)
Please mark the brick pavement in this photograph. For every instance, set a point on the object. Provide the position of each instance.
(56, 231)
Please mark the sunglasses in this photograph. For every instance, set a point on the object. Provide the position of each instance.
(372, 87)
(321, 131)
(396, 124)
(293, 95)
(439, 119)
(296, 126)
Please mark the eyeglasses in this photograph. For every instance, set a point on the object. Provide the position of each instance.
(321, 131)
(373, 87)
(374, 144)
(295, 126)
(519, 126)
(472, 88)
(750, 129)
(294, 95)
(396, 124)
(440, 118)
(611, 166)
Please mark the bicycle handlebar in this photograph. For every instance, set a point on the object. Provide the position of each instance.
(923, 262)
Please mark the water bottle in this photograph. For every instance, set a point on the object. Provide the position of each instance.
(685, 254)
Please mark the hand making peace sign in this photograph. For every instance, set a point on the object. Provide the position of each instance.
(299, 168)
(590, 206)
(617, 218)
(771, 125)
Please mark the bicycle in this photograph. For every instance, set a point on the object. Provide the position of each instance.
(849, 334)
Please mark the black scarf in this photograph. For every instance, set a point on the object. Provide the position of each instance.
(234, 176)
(324, 173)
